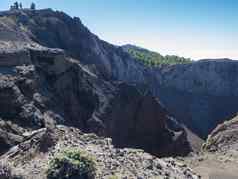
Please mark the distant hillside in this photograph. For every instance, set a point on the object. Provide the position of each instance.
(151, 58)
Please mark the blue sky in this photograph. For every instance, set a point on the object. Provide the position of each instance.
(190, 28)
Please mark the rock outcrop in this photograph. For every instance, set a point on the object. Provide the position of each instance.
(223, 138)
(38, 83)
(28, 161)
(219, 155)
(191, 92)
(56, 29)
(188, 91)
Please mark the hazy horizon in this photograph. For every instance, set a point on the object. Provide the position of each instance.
(193, 29)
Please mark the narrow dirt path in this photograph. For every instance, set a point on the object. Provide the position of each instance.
(215, 166)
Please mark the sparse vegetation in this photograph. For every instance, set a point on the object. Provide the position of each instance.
(71, 164)
(113, 177)
(150, 58)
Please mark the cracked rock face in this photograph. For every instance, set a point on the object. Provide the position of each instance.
(188, 91)
(53, 70)
(52, 82)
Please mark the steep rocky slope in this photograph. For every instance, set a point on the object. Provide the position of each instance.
(30, 159)
(55, 29)
(224, 137)
(219, 157)
(37, 81)
(201, 94)
(97, 87)
(189, 91)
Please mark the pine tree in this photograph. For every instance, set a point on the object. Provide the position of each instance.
(33, 6)
(16, 6)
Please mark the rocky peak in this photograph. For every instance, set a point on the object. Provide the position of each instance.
(188, 91)
(55, 29)
(47, 80)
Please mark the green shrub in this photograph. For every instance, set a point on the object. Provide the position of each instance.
(71, 164)
(154, 59)
(113, 177)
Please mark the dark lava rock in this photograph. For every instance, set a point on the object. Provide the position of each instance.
(188, 91)
(54, 87)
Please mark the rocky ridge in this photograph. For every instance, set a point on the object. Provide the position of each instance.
(29, 160)
(85, 85)
(38, 81)
(188, 91)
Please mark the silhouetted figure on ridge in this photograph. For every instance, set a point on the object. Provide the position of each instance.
(15, 6)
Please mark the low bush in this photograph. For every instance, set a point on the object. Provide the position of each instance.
(113, 177)
(71, 164)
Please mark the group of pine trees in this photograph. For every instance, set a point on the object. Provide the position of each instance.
(17, 6)
(154, 59)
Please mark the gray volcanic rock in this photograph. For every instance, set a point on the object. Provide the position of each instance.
(219, 156)
(49, 81)
(188, 91)
(56, 29)
(131, 108)
(28, 161)
(224, 137)
(192, 92)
